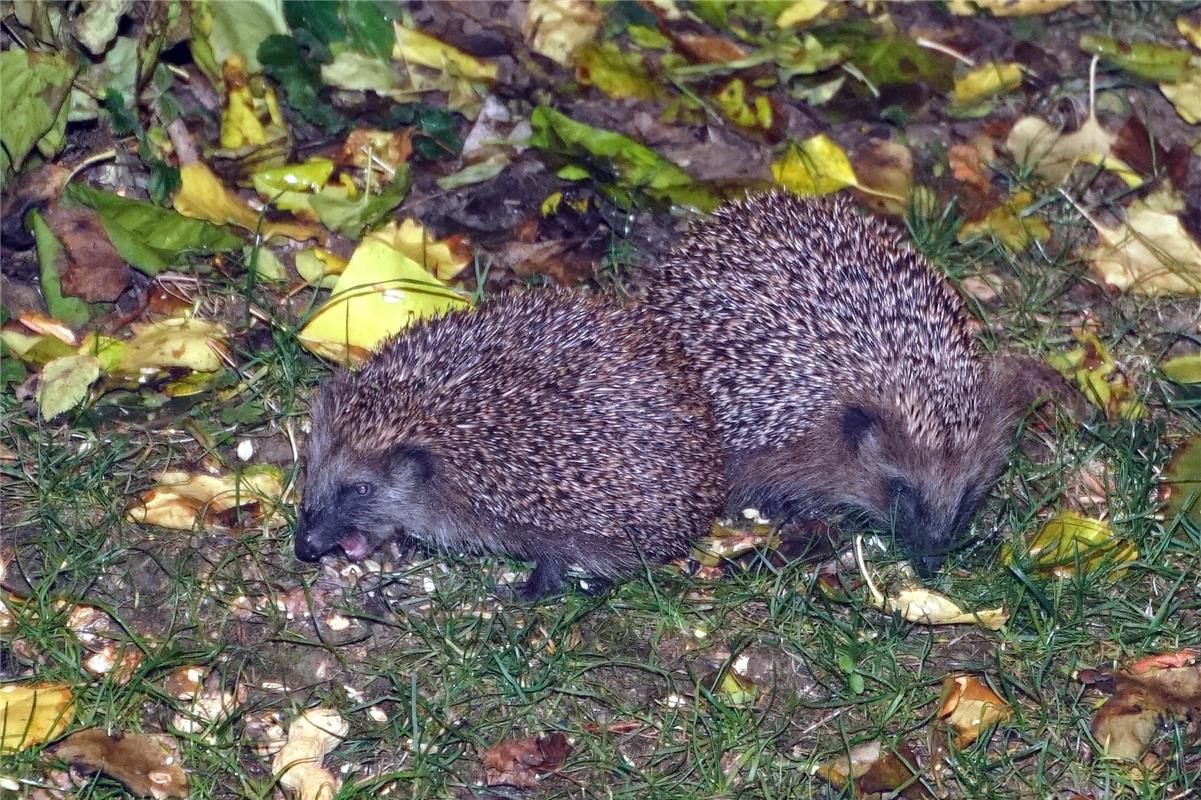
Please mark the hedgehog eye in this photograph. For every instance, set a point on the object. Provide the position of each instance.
(363, 489)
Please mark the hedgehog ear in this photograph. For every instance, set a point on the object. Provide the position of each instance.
(418, 459)
(857, 424)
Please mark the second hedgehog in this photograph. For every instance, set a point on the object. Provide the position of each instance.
(546, 425)
(841, 369)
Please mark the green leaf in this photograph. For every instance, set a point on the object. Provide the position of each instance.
(148, 237)
(1153, 62)
(626, 163)
(64, 383)
(370, 26)
(96, 25)
(71, 310)
(11, 369)
(34, 88)
(1183, 369)
(349, 217)
(235, 28)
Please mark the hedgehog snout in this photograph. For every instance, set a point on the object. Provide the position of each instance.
(313, 536)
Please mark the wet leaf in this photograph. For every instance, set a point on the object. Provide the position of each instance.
(298, 765)
(32, 713)
(183, 500)
(146, 764)
(149, 237)
(64, 383)
(443, 258)
(34, 88)
(202, 196)
(633, 165)
(557, 28)
(968, 707)
(381, 292)
(1152, 252)
(1150, 693)
(519, 762)
(1070, 545)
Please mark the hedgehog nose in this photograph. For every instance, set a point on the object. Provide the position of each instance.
(304, 544)
(928, 564)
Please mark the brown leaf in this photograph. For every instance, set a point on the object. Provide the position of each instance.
(95, 271)
(1135, 146)
(875, 770)
(147, 764)
(968, 706)
(708, 49)
(553, 258)
(1151, 692)
(519, 762)
(32, 190)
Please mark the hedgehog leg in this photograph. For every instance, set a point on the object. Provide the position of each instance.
(545, 580)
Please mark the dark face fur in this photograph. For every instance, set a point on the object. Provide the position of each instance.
(357, 502)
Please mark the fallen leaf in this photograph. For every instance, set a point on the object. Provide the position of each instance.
(924, 606)
(369, 149)
(1142, 701)
(415, 47)
(1093, 369)
(1070, 545)
(984, 82)
(818, 166)
(32, 713)
(182, 500)
(886, 168)
(187, 342)
(201, 195)
(704, 49)
(1148, 60)
(1180, 483)
(968, 706)
(619, 74)
(557, 28)
(1006, 8)
(875, 770)
(298, 765)
(64, 383)
(251, 118)
(96, 271)
(1152, 252)
(381, 292)
(444, 258)
(801, 12)
(146, 764)
(750, 110)
(1008, 224)
(1185, 94)
(519, 762)
(1035, 144)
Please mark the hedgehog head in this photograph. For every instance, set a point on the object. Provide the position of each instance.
(358, 494)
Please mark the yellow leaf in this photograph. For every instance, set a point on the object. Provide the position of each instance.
(985, 81)
(177, 342)
(801, 12)
(298, 764)
(1069, 545)
(319, 267)
(32, 713)
(1036, 144)
(1094, 370)
(1151, 252)
(732, 100)
(814, 167)
(251, 115)
(1186, 95)
(202, 195)
(1006, 8)
(64, 383)
(557, 28)
(1189, 30)
(615, 72)
(181, 499)
(968, 707)
(415, 47)
(381, 293)
(1008, 225)
(444, 258)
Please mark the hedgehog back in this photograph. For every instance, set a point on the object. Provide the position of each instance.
(545, 411)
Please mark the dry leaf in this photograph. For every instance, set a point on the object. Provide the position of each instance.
(875, 770)
(557, 28)
(1151, 692)
(519, 762)
(181, 499)
(298, 764)
(1151, 252)
(1035, 143)
(187, 342)
(146, 764)
(968, 706)
(32, 713)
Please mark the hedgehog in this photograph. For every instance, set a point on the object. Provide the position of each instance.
(841, 369)
(548, 426)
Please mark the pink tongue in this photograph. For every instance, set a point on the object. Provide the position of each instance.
(354, 545)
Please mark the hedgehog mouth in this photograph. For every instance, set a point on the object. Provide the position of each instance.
(355, 546)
